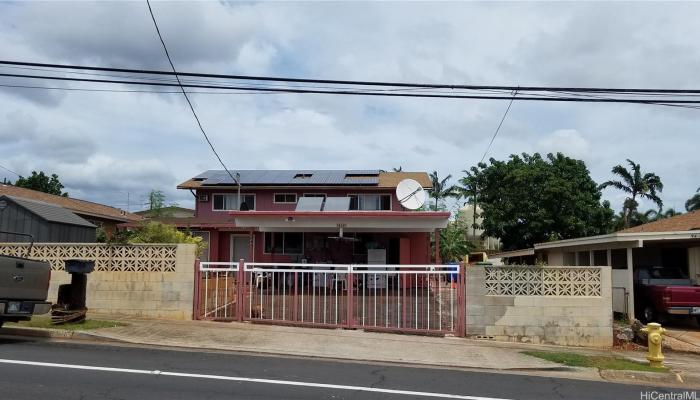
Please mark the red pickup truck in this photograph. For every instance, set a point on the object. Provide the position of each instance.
(660, 292)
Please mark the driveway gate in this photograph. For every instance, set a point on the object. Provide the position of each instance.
(406, 298)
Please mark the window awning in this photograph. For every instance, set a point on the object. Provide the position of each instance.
(350, 221)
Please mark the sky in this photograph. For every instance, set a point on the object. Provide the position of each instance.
(114, 148)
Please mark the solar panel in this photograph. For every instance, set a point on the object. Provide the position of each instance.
(309, 204)
(337, 204)
(287, 177)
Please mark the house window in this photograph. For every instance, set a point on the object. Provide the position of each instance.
(226, 202)
(600, 257)
(284, 198)
(584, 258)
(370, 202)
(618, 258)
(291, 243)
(570, 258)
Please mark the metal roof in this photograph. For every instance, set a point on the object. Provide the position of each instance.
(291, 177)
(50, 212)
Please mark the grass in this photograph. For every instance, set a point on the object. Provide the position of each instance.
(45, 323)
(600, 362)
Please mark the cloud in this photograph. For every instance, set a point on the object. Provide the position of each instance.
(567, 141)
(107, 144)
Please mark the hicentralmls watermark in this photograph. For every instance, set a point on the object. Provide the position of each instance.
(680, 395)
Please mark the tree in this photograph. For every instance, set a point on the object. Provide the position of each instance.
(441, 190)
(655, 215)
(529, 199)
(42, 183)
(399, 169)
(637, 185)
(469, 189)
(156, 202)
(156, 232)
(693, 203)
(453, 241)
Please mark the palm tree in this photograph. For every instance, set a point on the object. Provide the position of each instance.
(655, 215)
(441, 189)
(637, 185)
(693, 203)
(470, 189)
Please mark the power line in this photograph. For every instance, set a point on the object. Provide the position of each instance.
(126, 91)
(184, 93)
(356, 83)
(663, 102)
(498, 128)
(9, 170)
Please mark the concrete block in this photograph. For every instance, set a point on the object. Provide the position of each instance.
(499, 300)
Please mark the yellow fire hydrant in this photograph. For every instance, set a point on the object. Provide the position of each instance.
(654, 332)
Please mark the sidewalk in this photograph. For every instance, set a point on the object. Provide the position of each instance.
(359, 346)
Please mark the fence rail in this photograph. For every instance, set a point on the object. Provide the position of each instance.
(420, 298)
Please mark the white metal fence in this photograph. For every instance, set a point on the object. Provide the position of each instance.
(382, 297)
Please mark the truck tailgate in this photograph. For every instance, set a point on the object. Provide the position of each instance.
(684, 296)
(23, 279)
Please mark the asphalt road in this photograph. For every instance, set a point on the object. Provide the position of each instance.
(32, 370)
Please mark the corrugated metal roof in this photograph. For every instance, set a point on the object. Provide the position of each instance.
(291, 177)
(50, 212)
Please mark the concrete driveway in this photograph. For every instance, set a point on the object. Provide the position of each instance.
(683, 335)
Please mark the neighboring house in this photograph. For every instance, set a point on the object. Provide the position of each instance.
(668, 243)
(466, 214)
(100, 215)
(167, 212)
(310, 215)
(44, 222)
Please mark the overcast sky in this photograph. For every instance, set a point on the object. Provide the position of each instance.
(105, 145)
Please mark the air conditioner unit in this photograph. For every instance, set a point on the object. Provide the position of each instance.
(203, 198)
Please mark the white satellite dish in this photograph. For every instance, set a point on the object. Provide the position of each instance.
(410, 194)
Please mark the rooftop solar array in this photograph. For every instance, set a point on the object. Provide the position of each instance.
(291, 177)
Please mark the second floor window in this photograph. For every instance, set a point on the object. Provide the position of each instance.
(285, 198)
(225, 202)
(370, 202)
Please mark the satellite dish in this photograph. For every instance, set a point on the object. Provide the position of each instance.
(410, 194)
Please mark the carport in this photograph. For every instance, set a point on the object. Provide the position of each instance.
(671, 243)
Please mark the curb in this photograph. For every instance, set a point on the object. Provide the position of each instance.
(55, 334)
(669, 378)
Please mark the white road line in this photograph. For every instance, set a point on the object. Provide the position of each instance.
(251, 380)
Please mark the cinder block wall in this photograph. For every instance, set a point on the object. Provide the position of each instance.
(561, 320)
(142, 294)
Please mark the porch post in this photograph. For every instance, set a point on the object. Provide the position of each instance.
(251, 245)
(630, 282)
(437, 247)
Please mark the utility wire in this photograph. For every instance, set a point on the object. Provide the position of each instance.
(184, 93)
(356, 83)
(181, 85)
(498, 128)
(9, 170)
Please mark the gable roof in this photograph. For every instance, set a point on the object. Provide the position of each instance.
(49, 212)
(689, 221)
(368, 178)
(82, 207)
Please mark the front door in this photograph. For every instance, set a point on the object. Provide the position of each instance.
(240, 248)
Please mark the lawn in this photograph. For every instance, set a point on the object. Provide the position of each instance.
(45, 322)
(600, 362)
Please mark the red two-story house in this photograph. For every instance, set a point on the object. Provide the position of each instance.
(314, 216)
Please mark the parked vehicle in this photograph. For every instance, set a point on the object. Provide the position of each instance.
(24, 286)
(660, 292)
